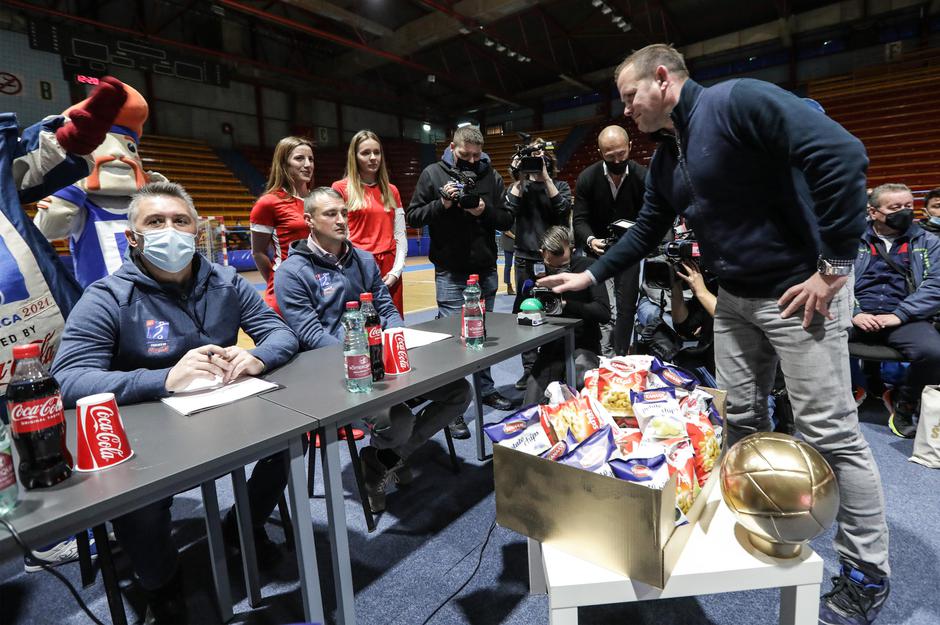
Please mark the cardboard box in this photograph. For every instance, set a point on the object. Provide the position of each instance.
(622, 526)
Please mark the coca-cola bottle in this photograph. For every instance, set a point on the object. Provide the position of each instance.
(37, 421)
(374, 333)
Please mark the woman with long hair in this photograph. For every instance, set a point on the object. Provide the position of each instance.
(277, 219)
(376, 216)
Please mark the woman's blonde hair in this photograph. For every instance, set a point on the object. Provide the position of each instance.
(278, 178)
(355, 190)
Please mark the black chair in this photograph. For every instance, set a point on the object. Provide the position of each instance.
(880, 353)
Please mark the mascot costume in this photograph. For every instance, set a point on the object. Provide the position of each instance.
(37, 291)
(93, 212)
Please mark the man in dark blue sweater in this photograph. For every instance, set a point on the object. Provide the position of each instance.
(166, 318)
(722, 148)
(897, 296)
(312, 286)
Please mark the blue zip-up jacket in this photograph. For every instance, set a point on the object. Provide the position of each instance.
(767, 183)
(312, 293)
(128, 330)
(924, 255)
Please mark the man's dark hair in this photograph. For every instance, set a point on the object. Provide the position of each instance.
(931, 195)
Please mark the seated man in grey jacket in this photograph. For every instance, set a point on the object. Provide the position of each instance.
(165, 318)
(312, 286)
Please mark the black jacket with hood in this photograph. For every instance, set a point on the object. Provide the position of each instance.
(460, 242)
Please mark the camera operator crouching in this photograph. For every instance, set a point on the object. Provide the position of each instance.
(537, 201)
(591, 306)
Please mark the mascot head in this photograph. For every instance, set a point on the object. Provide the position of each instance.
(118, 169)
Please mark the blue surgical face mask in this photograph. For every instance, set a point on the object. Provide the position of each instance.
(168, 248)
(935, 220)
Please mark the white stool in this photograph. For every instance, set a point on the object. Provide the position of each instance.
(716, 559)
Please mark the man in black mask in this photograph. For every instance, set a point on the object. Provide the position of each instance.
(463, 238)
(590, 305)
(606, 191)
(896, 297)
(537, 202)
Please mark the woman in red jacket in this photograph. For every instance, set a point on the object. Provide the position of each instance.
(277, 218)
(376, 216)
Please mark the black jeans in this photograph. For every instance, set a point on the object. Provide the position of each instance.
(919, 341)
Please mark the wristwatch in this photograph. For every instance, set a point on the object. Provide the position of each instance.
(834, 267)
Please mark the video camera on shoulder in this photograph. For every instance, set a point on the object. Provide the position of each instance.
(529, 164)
(466, 183)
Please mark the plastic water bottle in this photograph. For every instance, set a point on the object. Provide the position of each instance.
(476, 278)
(8, 488)
(472, 330)
(356, 351)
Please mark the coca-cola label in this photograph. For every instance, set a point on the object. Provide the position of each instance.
(473, 328)
(7, 476)
(375, 334)
(35, 414)
(400, 350)
(358, 366)
(104, 435)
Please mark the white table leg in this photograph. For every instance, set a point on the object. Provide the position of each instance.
(799, 605)
(336, 522)
(536, 569)
(563, 616)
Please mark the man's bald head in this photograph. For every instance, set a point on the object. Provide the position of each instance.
(612, 136)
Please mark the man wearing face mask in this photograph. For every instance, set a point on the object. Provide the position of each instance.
(606, 191)
(896, 297)
(590, 305)
(165, 319)
(932, 208)
(463, 240)
(537, 202)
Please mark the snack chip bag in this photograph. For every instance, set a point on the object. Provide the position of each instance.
(679, 459)
(655, 404)
(524, 431)
(705, 445)
(615, 381)
(627, 439)
(576, 419)
(671, 375)
(592, 454)
(646, 465)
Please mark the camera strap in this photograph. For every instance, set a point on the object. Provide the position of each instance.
(879, 246)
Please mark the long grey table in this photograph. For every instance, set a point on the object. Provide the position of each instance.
(313, 384)
(173, 453)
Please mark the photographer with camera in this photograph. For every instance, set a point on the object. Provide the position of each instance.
(461, 201)
(607, 191)
(590, 305)
(537, 202)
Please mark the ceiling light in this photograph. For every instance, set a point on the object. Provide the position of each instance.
(606, 9)
(626, 27)
(463, 124)
(617, 20)
(489, 43)
(426, 127)
(596, 3)
(463, 30)
(512, 54)
(500, 48)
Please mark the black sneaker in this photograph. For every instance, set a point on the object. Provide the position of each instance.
(396, 464)
(167, 605)
(901, 420)
(497, 401)
(855, 599)
(376, 476)
(522, 382)
(458, 428)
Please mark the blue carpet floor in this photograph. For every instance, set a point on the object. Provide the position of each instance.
(428, 543)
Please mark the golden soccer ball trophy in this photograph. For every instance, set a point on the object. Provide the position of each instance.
(781, 490)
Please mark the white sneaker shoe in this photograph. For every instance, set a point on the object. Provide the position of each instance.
(58, 553)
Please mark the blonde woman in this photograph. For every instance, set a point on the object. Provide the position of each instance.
(277, 219)
(376, 216)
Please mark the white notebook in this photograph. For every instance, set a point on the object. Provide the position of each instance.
(197, 401)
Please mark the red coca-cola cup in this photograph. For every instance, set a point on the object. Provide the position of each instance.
(102, 442)
(395, 352)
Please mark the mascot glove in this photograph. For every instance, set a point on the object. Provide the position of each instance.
(89, 124)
